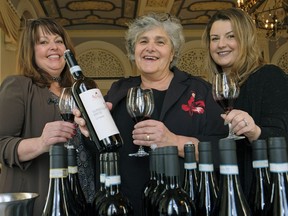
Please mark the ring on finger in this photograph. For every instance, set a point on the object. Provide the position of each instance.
(147, 137)
(246, 123)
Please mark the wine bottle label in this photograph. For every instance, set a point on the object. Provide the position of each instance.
(74, 69)
(260, 164)
(229, 169)
(206, 167)
(112, 180)
(278, 167)
(102, 177)
(190, 166)
(58, 173)
(98, 113)
(72, 169)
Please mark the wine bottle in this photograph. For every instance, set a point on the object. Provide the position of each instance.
(100, 194)
(278, 162)
(73, 179)
(114, 202)
(59, 199)
(151, 184)
(160, 183)
(174, 200)
(259, 195)
(190, 183)
(102, 128)
(208, 185)
(231, 199)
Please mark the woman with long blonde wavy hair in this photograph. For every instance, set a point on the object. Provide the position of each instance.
(261, 109)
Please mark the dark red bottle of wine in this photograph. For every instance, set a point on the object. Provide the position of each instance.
(100, 194)
(151, 184)
(259, 195)
(174, 200)
(208, 185)
(190, 183)
(60, 200)
(114, 202)
(278, 162)
(160, 183)
(102, 128)
(73, 179)
(231, 199)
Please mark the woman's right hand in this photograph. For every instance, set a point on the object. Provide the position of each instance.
(81, 122)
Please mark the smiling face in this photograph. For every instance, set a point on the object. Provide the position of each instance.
(224, 48)
(153, 52)
(49, 51)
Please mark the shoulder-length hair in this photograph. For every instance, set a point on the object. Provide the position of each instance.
(169, 23)
(244, 29)
(26, 63)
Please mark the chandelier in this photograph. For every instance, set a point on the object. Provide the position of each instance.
(269, 15)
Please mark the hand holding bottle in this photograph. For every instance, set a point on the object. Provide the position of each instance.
(81, 122)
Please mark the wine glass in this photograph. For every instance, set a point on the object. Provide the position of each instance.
(140, 106)
(225, 91)
(66, 106)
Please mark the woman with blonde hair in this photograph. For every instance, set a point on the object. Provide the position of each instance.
(261, 110)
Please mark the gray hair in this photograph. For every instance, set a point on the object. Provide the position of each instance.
(169, 23)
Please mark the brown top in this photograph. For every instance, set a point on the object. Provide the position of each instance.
(24, 110)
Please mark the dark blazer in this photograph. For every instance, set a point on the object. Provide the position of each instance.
(24, 110)
(264, 97)
(178, 113)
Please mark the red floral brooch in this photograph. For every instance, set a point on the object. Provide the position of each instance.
(194, 106)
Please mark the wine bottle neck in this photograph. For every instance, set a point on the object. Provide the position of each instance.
(172, 182)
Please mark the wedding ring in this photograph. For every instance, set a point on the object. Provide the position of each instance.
(147, 137)
(246, 123)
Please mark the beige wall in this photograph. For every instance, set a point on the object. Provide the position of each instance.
(7, 58)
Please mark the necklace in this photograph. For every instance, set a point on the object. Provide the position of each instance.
(56, 79)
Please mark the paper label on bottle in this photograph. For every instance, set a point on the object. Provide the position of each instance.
(112, 180)
(190, 166)
(206, 167)
(72, 169)
(58, 173)
(102, 177)
(278, 167)
(99, 113)
(260, 164)
(229, 169)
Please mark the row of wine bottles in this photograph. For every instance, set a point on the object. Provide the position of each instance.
(268, 195)
(65, 196)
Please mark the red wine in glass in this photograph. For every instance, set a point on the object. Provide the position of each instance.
(66, 106)
(225, 91)
(140, 106)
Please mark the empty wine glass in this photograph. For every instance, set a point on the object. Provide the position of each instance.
(225, 91)
(140, 106)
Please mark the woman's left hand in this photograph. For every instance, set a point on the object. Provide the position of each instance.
(150, 132)
(242, 124)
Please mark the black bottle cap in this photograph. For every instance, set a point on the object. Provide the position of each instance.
(259, 150)
(70, 58)
(227, 148)
(277, 150)
(189, 153)
(171, 161)
(71, 156)
(159, 160)
(58, 156)
(205, 153)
